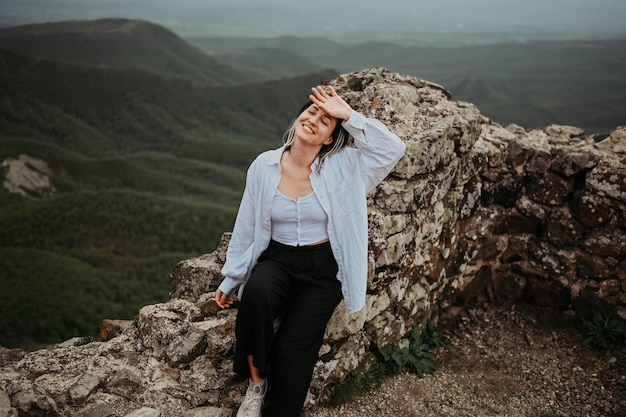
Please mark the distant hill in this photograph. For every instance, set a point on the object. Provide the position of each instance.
(148, 170)
(124, 44)
(450, 21)
(533, 84)
(102, 112)
(271, 63)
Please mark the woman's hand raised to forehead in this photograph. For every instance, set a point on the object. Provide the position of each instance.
(330, 103)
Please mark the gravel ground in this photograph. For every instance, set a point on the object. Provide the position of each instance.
(504, 361)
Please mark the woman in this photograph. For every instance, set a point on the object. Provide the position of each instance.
(299, 245)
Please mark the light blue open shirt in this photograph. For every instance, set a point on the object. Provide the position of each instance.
(341, 187)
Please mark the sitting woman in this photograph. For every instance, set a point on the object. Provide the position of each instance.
(299, 245)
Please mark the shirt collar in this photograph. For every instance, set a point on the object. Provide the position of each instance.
(274, 158)
(314, 164)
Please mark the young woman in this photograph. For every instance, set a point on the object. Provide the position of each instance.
(299, 245)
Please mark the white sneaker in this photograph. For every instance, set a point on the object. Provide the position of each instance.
(253, 401)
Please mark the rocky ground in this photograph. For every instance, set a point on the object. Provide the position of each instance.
(504, 361)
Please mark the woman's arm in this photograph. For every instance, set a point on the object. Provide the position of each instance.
(239, 253)
(380, 148)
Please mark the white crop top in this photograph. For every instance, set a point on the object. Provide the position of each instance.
(298, 222)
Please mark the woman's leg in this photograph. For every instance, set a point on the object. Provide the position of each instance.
(265, 295)
(263, 298)
(255, 373)
(297, 344)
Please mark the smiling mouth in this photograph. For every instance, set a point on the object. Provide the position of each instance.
(308, 128)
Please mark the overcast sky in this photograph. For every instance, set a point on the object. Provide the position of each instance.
(328, 18)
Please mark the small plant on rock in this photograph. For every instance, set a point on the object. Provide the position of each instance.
(603, 331)
(416, 356)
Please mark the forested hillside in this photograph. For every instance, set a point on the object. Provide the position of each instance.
(148, 170)
(122, 43)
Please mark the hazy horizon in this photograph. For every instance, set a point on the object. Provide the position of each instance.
(346, 20)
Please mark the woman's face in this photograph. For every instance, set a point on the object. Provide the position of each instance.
(315, 126)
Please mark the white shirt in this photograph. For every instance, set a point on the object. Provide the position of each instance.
(341, 187)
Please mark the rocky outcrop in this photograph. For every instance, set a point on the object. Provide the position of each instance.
(473, 211)
(550, 228)
(27, 175)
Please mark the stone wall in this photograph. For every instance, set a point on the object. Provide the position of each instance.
(472, 212)
(551, 225)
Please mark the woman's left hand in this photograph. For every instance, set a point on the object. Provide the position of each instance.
(331, 103)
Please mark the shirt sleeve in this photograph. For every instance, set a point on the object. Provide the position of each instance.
(240, 249)
(380, 149)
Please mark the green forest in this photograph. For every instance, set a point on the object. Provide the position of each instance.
(149, 168)
(148, 136)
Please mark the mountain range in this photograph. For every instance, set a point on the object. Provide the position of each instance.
(533, 84)
(455, 21)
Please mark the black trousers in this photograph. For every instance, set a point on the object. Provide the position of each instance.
(300, 285)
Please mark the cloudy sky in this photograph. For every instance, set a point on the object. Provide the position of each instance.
(332, 18)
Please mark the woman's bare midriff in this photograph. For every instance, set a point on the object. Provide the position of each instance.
(318, 243)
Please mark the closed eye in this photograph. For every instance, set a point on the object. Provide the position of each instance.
(325, 118)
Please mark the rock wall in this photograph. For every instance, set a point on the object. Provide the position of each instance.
(551, 225)
(473, 211)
